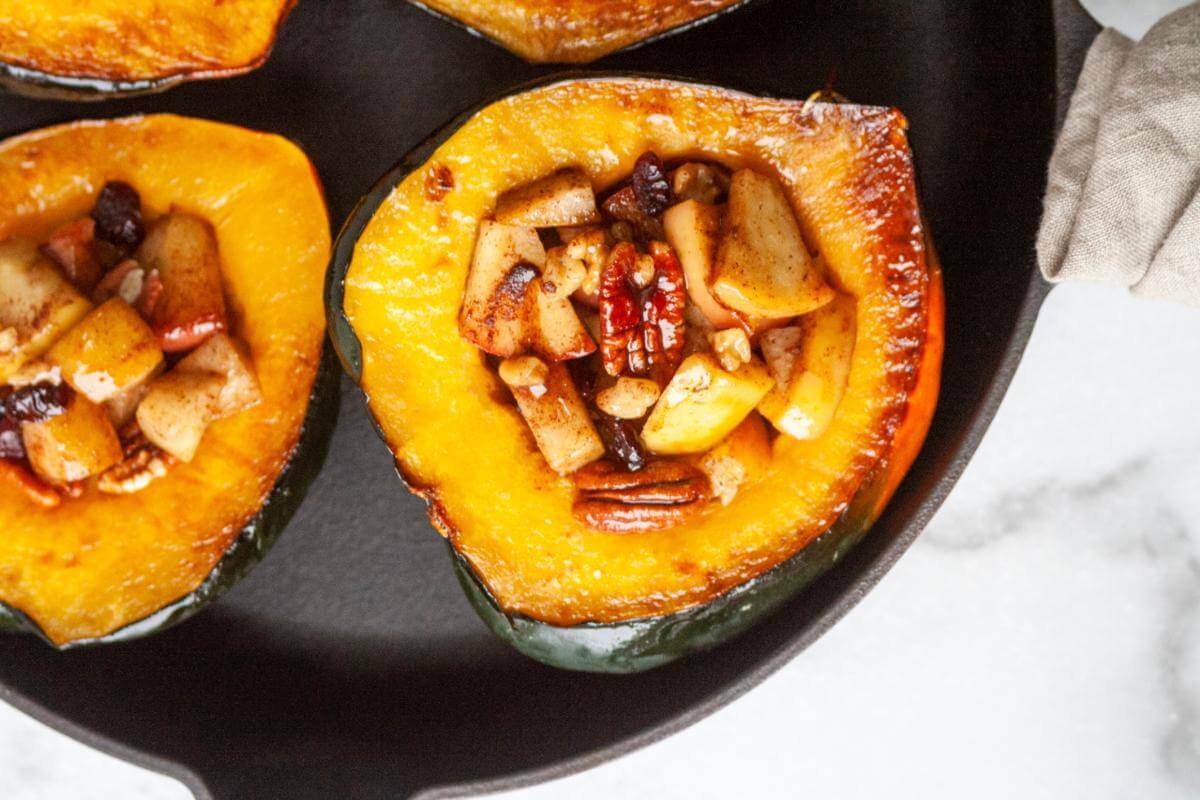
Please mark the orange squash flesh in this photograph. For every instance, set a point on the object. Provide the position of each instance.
(848, 173)
(95, 564)
(133, 41)
(574, 31)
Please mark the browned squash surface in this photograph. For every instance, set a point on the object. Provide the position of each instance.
(848, 174)
(97, 563)
(574, 31)
(138, 40)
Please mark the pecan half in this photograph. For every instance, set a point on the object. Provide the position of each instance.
(659, 496)
(641, 330)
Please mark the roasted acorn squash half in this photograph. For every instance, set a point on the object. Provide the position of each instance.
(576, 31)
(104, 48)
(556, 589)
(103, 567)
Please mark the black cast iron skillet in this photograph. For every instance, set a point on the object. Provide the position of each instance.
(349, 664)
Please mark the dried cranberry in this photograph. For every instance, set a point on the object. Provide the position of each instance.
(118, 216)
(650, 184)
(12, 446)
(621, 440)
(623, 206)
(584, 372)
(37, 402)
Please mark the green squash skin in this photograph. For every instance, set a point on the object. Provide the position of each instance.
(42, 85)
(642, 644)
(47, 86)
(257, 536)
(624, 647)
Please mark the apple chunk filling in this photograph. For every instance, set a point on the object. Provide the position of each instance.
(649, 331)
(90, 324)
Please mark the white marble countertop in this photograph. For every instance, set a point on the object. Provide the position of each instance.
(1040, 640)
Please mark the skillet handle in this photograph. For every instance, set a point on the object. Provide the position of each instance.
(1074, 31)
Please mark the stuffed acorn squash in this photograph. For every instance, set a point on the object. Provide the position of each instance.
(655, 353)
(164, 400)
(101, 48)
(576, 31)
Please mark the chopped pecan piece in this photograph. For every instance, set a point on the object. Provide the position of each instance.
(642, 330)
(663, 494)
(133, 284)
(143, 463)
(732, 348)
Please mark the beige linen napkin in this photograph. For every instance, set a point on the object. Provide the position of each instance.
(1123, 200)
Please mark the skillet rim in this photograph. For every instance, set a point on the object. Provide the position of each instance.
(1073, 29)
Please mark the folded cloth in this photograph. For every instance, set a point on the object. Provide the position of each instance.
(1123, 198)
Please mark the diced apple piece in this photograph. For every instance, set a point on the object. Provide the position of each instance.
(110, 349)
(703, 403)
(496, 315)
(763, 268)
(72, 247)
(507, 308)
(122, 406)
(37, 304)
(562, 199)
(229, 358)
(178, 409)
(739, 460)
(693, 229)
(811, 362)
(191, 307)
(559, 334)
(558, 419)
(76, 444)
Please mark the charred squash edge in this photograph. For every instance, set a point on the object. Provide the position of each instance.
(32, 82)
(680, 28)
(633, 645)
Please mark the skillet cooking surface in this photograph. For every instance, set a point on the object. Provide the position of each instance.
(349, 663)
